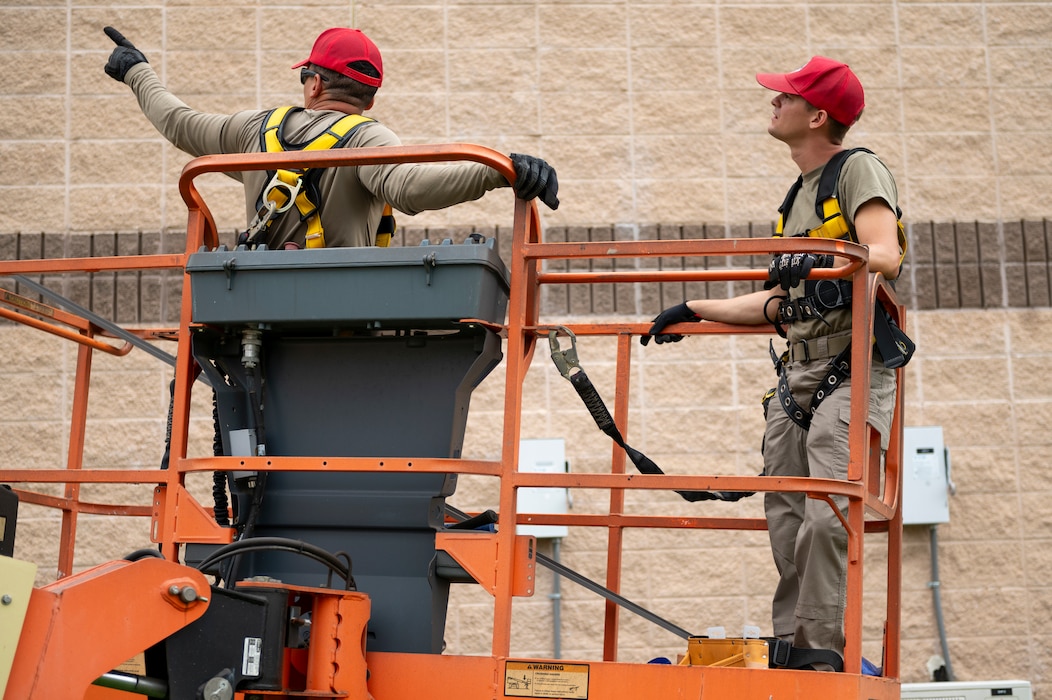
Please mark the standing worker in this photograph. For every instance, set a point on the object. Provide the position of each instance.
(335, 206)
(813, 109)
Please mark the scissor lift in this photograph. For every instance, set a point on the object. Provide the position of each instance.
(338, 336)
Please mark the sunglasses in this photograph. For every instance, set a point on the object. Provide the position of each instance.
(307, 73)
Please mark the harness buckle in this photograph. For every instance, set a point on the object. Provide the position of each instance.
(778, 651)
(286, 189)
(565, 360)
(807, 350)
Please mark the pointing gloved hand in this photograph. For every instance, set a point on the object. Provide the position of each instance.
(123, 57)
(535, 178)
(788, 269)
(674, 314)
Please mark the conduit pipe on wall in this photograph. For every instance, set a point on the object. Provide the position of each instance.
(935, 584)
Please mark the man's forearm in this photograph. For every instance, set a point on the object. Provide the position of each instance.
(745, 310)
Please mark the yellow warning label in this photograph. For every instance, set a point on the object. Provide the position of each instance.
(136, 665)
(535, 679)
(16, 300)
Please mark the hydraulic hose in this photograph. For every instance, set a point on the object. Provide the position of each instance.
(283, 544)
(140, 685)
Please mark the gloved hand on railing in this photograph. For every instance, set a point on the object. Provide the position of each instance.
(788, 269)
(534, 177)
(680, 313)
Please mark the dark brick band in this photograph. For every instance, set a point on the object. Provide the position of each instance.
(949, 266)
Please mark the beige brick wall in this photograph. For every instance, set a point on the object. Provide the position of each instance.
(694, 409)
(650, 112)
(648, 109)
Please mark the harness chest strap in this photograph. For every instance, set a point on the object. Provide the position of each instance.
(895, 347)
(827, 206)
(819, 296)
(288, 184)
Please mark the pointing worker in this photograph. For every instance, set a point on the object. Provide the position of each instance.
(340, 77)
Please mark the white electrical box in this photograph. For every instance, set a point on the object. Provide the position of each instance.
(546, 456)
(970, 690)
(926, 484)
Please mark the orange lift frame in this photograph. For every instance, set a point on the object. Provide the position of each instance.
(502, 561)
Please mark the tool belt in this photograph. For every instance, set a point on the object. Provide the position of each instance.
(820, 348)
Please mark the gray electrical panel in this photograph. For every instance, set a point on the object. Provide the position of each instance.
(547, 457)
(926, 483)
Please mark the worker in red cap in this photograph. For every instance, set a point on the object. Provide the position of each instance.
(337, 206)
(841, 193)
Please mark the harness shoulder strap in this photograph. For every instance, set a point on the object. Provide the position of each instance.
(826, 206)
(787, 204)
(827, 183)
(270, 134)
(301, 184)
(337, 134)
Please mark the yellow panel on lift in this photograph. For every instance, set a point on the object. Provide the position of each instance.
(16, 584)
(735, 652)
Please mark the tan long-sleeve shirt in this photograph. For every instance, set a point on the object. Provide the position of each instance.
(352, 198)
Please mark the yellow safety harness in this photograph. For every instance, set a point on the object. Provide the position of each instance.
(895, 347)
(827, 207)
(298, 186)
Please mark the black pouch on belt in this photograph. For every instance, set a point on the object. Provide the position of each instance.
(892, 342)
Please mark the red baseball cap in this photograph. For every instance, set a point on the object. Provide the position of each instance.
(338, 47)
(825, 83)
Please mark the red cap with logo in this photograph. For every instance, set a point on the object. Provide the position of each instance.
(338, 47)
(826, 84)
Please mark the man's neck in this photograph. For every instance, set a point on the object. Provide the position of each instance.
(330, 105)
(813, 154)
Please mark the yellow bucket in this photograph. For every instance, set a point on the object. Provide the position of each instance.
(744, 653)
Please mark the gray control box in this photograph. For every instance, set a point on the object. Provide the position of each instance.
(425, 286)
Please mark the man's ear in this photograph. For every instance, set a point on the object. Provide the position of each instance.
(818, 118)
(370, 105)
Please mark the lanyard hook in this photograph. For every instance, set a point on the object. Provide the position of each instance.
(565, 360)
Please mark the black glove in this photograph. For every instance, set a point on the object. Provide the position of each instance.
(535, 178)
(123, 57)
(674, 314)
(788, 269)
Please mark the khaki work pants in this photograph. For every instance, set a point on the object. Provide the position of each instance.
(808, 542)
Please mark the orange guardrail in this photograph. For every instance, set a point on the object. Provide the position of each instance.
(872, 488)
